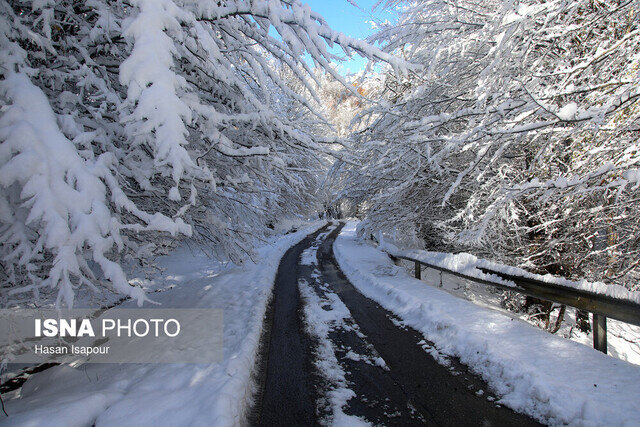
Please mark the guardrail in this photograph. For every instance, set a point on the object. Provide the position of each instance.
(601, 306)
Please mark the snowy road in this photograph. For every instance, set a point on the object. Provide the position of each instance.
(333, 356)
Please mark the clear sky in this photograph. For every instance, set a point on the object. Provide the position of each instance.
(344, 17)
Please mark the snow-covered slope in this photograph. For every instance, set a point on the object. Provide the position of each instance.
(176, 394)
(552, 379)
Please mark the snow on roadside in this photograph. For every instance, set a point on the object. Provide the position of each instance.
(470, 265)
(320, 316)
(557, 381)
(168, 394)
(623, 339)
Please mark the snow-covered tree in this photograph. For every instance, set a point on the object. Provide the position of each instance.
(519, 137)
(341, 105)
(125, 122)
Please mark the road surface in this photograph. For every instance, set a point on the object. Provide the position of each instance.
(409, 388)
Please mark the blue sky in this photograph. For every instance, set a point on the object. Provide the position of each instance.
(346, 18)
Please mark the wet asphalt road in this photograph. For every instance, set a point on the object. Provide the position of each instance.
(413, 388)
(287, 392)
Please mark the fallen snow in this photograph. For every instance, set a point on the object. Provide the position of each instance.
(169, 394)
(623, 339)
(320, 316)
(470, 265)
(309, 256)
(557, 381)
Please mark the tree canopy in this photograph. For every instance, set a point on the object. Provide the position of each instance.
(518, 139)
(124, 122)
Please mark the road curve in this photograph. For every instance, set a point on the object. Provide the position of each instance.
(413, 388)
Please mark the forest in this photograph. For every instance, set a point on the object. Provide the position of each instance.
(447, 235)
(508, 129)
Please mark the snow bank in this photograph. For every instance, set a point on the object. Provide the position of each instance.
(175, 394)
(557, 381)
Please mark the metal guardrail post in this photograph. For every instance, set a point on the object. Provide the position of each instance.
(602, 306)
(600, 332)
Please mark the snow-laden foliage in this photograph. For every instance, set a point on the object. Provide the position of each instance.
(520, 135)
(124, 123)
(340, 105)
